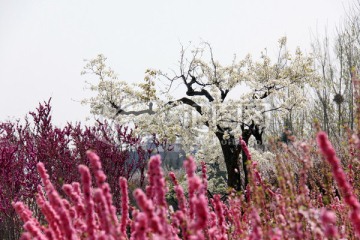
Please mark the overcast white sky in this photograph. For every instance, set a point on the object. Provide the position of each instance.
(43, 43)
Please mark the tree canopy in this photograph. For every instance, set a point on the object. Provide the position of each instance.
(204, 106)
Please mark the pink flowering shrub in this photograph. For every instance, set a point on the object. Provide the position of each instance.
(289, 209)
(25, 143)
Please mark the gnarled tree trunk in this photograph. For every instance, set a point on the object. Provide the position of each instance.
(231, 150)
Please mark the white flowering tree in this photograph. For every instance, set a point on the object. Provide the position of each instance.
(204, 106)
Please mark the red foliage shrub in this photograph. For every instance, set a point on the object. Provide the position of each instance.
(24, 144)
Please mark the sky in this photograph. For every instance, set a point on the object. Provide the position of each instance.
(43, 43)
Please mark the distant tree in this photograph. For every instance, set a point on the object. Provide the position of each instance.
(337, 60)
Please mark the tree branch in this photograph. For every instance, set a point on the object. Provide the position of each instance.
(189, 102)
(121, 111)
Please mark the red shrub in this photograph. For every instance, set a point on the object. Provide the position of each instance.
(24, 144)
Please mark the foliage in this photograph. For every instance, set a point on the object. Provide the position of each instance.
(287, 190)
(290, 210)
(25, 143)
(207, 84)
(204, 107)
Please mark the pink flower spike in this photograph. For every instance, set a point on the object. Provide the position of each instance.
(34, 230)
(76, 199)
(201, 212)
(124, 205)
(66, 225)
(157, 181)
(139, 232)
(50, 215)
(89, 204)
(173, 178)
(245, 149)
(104, 215)
(23, 211)
(44, 177)
(147, 206)
(190, 166)
(96, 167)
(219, 214)
(340, 177)
(204, 177)
(256, 226)
(328, 219)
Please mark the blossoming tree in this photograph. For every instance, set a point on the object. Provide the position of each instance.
(204, 105)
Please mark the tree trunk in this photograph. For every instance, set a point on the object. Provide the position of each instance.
(246, 134)
(231, 150)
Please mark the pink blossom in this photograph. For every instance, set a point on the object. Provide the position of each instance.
(157, 181)
(90, 212)
(204, 177)
(139, 232)
(96, 166)
(104, 214)
(328, 219)
(245, 149)
(340, 177)
(147, 206)
(256, 226)
(89, 203)
(23, 211)
(124, 205)
(25, 236)
(201, 212)
(75, 198)
(35, 231)
(220, 217)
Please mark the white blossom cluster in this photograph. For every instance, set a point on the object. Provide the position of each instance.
(269, 87)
